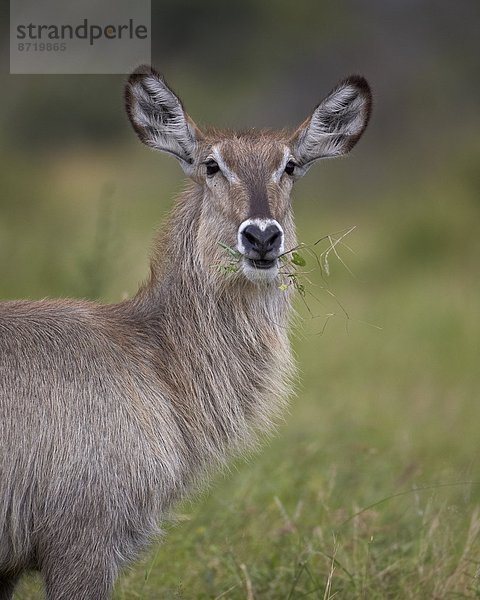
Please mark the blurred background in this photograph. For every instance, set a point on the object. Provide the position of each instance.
(388, 349)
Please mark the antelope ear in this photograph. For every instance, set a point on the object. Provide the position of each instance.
(336, 124)
(158, 117)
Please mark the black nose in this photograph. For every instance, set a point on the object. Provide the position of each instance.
(262, 243)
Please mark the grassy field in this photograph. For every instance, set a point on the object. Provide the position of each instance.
(371, 487)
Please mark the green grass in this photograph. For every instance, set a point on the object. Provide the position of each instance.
(371, 487)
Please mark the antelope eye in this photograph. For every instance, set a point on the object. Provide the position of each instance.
(212, 167)
(290, 167)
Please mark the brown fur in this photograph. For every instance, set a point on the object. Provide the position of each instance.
(110, 413)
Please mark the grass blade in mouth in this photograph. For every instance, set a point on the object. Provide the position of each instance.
(292, 272)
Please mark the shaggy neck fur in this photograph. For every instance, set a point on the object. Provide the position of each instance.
(219, 343)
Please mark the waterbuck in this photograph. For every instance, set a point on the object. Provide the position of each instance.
(110, 413)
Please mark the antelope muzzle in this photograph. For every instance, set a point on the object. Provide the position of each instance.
(261, 242)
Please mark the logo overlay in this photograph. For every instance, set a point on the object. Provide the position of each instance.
(85, 37)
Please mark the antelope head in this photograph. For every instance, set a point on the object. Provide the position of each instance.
(245, 179)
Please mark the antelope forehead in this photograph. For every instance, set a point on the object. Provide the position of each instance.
(272, 165)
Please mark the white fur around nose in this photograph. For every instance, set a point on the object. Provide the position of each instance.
(262, 224)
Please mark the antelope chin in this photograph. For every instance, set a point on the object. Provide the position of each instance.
(260, 271)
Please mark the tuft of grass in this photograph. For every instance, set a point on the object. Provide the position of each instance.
(295, 273)
(231, 263)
